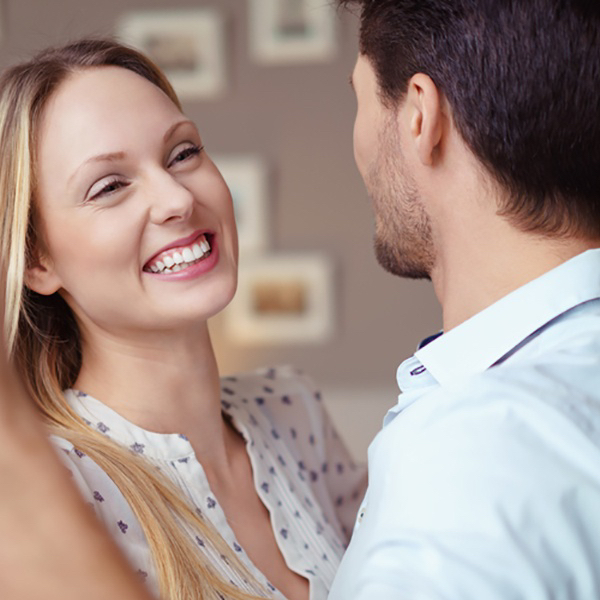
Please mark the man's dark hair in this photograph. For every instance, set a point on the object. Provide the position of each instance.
(522, 78)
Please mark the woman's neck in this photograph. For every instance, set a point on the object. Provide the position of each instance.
(162, 383)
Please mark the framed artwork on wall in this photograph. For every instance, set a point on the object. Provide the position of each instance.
(292, 31)
(282, 299)
(189, 45)
(246, 176)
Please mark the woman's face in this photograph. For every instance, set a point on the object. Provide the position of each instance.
(137, 223)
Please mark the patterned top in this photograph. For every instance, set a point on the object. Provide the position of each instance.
(302, 472)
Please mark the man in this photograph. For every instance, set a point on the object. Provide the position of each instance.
(478, 137)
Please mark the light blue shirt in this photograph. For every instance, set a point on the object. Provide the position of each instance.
(484, 483)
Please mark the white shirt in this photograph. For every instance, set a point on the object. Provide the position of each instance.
(484, 483)
(302, 473)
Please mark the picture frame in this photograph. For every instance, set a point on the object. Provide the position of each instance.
(246, 177)
(292, 31)
(187, 44)
(282, 299)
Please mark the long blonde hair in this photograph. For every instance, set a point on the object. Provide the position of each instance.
(43, 338)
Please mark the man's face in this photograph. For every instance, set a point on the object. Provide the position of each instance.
(403, 243)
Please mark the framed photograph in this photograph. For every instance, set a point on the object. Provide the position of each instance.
(282, 299)
(288, 31)
(246, 177)
(188, 45)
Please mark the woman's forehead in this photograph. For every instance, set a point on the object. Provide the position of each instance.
(103, 89)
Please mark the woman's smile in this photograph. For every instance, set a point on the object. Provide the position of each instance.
(181, 253)
(185, 260)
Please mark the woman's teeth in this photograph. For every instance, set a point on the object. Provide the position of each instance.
(175, 260)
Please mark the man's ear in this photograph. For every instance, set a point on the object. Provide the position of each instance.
(424, 104)
(41, 277)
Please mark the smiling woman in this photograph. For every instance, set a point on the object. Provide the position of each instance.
(121, 243)
(114, 193)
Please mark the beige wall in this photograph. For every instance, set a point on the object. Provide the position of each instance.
(299, 118)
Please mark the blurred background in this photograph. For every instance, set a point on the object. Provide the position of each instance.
(266, 81)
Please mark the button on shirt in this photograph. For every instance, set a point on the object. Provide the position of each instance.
(302, 472)
(484, 483)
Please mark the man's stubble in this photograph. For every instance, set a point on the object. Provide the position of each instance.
(403, 240)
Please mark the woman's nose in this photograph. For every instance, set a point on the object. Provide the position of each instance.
(170, 200)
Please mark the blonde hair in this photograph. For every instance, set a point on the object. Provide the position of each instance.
(43, 338)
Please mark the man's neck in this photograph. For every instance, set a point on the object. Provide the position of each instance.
(474, 273)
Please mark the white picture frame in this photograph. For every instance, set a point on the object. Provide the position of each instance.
(292, 31)
(282, 299)
(187, 44)
(246, 176)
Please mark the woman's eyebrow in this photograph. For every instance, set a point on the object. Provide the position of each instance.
(176, 126)
(107, 157)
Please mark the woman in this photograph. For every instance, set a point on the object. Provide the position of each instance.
(121, 243)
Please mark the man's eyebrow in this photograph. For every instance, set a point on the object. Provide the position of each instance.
(351, 80)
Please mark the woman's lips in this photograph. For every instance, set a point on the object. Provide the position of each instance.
(181, 254)
(188, 271)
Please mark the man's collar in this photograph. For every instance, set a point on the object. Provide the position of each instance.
(485, 338)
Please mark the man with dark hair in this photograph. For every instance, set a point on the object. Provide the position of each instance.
(478, 137)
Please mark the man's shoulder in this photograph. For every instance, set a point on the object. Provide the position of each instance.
(554, 378)
(539, 407)
(554, 396)
(575, 333)
(505, 441)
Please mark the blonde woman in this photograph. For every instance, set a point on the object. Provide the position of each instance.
(120, 243)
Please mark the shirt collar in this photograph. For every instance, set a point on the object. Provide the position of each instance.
(485, 338)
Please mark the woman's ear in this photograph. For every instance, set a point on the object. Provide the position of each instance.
(41, 277)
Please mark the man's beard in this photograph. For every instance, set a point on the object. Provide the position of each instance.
(403, 240)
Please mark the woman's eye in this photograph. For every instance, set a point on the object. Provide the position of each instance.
(185, 153)
(106, 188)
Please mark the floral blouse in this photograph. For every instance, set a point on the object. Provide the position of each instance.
(302, 473)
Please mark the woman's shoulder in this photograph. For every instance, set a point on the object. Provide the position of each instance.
(281, 394)
(283, 414)
(279, 403)
(269, 380)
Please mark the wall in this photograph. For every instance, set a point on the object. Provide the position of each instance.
(299, 118)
